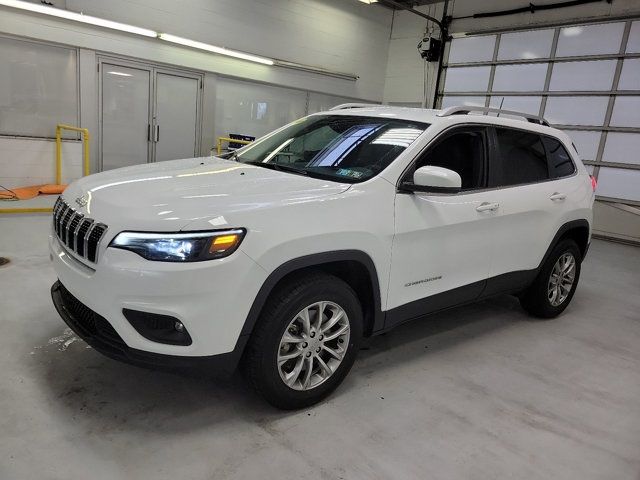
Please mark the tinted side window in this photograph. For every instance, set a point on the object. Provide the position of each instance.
(521, 159)
(462, 152)
(560, 163)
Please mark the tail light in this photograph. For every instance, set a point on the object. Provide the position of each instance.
(594, 182)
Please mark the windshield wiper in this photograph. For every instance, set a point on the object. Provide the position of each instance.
(233, 156)
(280, 166)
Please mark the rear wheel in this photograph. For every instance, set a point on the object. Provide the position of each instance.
(556, 282)
(306, 341)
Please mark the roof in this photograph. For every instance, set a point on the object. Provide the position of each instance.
(424, 115)
(458, 114)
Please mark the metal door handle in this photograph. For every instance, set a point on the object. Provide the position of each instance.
(558, 196)
(486, 206)
(156, 136)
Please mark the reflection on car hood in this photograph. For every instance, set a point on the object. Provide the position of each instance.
(171, 195)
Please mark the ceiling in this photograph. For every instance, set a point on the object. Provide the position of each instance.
(407, 3)
(415, 3)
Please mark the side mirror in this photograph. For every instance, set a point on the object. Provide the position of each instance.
(435, 180)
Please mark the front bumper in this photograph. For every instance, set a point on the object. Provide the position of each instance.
(99, 333)
(212, 299)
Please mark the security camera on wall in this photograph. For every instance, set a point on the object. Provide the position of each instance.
(429, 49)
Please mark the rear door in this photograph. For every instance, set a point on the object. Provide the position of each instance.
(531, 193)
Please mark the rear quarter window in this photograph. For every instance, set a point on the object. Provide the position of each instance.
(560, 163)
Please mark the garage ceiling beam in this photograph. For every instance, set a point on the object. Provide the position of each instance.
(531, 8)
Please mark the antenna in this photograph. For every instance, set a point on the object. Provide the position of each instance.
(500, 107)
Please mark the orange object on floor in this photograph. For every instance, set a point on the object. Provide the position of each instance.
(27, 193)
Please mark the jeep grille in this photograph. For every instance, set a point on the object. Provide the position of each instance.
(79, 234)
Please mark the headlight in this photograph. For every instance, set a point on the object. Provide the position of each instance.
(180, 247)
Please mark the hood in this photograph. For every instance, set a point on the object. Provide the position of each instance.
(190, 194)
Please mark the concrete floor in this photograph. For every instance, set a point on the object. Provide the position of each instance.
(478, 392)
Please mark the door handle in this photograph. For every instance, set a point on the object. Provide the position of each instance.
(487, 207)
(156, 135)
(558, 196)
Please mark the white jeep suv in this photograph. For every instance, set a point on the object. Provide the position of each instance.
(283, 255)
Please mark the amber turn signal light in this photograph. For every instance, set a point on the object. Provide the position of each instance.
(224, 242)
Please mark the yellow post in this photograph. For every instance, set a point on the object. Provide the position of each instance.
(86, 152)
(85, 149)
(85, 166)
(58, 155)
(230, 140)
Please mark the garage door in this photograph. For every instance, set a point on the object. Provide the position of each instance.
(584, 79)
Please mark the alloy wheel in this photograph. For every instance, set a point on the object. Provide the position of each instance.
(561, 279)
(313, 345)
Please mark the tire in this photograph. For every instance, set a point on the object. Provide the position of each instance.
(284, 313)
(539, 299)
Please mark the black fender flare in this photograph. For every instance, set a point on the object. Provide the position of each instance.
(312, 260)
(582, 223)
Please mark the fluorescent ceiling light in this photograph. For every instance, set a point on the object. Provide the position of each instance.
(321, 71)
(123, 27)
(120, 74)
(369, 2)
(78, 17)
(212, 48)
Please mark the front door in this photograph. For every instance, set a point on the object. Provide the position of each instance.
(441, 252)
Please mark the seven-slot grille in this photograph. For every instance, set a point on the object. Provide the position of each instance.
(81, 235)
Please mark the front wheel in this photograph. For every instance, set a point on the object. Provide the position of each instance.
(306, 341)
(553, 288)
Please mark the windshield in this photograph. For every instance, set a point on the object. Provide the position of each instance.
(336, 147)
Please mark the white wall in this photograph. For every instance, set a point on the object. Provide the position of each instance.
(338, 35)
(335, 34)
(26, 162)
(404, 78)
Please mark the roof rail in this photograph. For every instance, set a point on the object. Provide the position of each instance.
(468, 109)
(345, 106)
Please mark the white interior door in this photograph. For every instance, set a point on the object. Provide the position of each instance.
(176, 121)
(126, 94)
